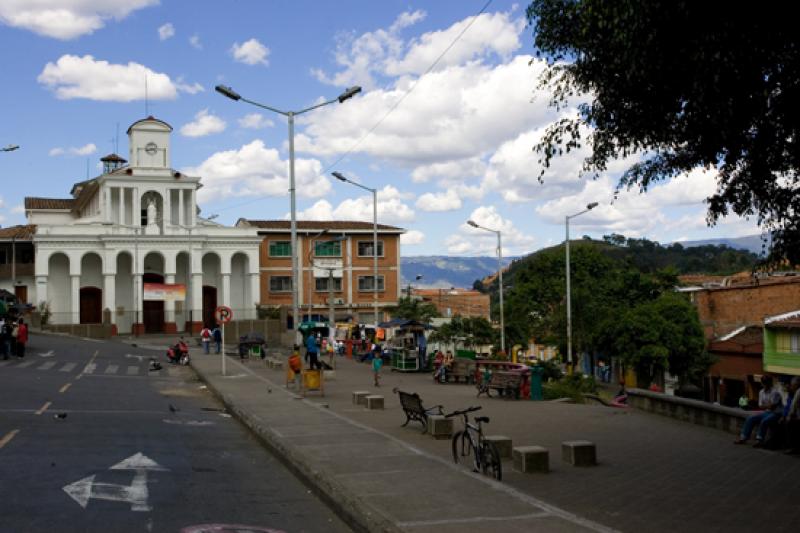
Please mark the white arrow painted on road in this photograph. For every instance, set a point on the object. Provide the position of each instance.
(47, 354)
(136, 493)
(131, 356)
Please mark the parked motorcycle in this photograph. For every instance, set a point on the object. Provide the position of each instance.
(179, 353)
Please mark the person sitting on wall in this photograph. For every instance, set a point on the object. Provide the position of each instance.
(771, 403)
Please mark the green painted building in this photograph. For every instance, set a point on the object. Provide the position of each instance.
(782, 343)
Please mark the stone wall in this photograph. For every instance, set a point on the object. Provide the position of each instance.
(728, 419)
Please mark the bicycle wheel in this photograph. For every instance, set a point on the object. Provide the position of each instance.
(461, 445)
(490, 461)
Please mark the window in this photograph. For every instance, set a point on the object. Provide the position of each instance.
(322, 284)
(280, 283)
(328, 249)
(788, 342)
(366, 283)
(280, 248)
(365, 248)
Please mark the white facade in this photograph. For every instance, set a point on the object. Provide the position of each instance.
(137, 224)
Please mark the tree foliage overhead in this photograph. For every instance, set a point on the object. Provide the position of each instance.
(414, 309)
(687, 85)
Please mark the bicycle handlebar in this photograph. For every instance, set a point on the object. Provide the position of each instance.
(464, 411)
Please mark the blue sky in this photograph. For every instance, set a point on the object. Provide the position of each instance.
(442, 143)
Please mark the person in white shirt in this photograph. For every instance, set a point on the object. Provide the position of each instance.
(771, 403)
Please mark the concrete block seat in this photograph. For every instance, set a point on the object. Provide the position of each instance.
(374, 401)
(440, 427)
(360, 397)
(502, 443)
(531, 459)
(579, 452)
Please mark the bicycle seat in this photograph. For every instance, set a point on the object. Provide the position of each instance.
(483, 419)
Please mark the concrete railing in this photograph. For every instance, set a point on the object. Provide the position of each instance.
(702, 413)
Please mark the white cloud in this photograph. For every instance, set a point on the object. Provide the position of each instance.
(458, 169)
(321, 210)
(412, 237)
(18, 209)
(250, 52)
(166, 31)
(84, 77)
(86, 149)
(255, 121)
(444, 201)
(454, 114)
(481, 242)
(194, 40)
(66, 19)
(391, 208)
(184, 87)
(255, 170)
(203, 124)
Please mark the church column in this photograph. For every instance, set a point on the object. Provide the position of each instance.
(41, 289)
(122, 218)
(255, 292)
(75, 290)
(107, 204)
(191, 219)
(137, 207)
(226, 288)
(181, 215)
(196, 302)
(138, 298)
(110, 298)
(169, 308)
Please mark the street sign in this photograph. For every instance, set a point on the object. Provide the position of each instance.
(223, 314)
(136, 494)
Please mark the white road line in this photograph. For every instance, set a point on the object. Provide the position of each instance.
(112, 369)
(47, 366)
(133, 370)
(25, 364)
(89, 368)
(67, 367)
(424, 523)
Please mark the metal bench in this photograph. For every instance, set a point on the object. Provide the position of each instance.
(414, 410)
(506, 383)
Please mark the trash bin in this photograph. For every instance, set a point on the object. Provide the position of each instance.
(536, 382)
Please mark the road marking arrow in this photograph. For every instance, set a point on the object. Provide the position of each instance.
(132, 356)
(136, 493)
(47, 354)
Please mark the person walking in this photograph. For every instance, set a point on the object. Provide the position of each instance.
(22, 338)
(377, 364)
(205, 337)
(5, 338)
(217, 336)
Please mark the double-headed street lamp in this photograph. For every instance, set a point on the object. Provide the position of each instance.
(589, 207)
(500, 270)
(9, 148)
(339, 176)
(233, 95)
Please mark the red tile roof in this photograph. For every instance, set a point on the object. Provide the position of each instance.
(20, 233)
(335, 225)
(48, 203)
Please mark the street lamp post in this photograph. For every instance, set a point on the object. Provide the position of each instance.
(570, 369)
(233, 95)
(500, 270)
(340, 177)
(331, 310)
(311, 264)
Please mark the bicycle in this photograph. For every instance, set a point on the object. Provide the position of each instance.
(485, 457)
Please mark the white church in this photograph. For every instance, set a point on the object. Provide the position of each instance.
(129, 247)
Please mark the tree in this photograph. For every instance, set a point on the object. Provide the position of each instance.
(414, 309)
(686, 85)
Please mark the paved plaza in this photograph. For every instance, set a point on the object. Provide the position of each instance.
(654, 473)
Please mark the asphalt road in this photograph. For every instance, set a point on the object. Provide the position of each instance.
(91, 440)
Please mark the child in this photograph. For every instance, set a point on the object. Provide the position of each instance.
(205, 336)
(296, 365)
(377, 363)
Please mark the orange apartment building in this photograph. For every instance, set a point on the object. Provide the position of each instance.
(320, 252)
(452, 302)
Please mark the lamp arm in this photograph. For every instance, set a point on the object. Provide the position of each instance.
(263, 106)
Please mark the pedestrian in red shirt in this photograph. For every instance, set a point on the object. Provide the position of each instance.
(22, 338)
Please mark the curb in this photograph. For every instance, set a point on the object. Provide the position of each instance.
(356, 512)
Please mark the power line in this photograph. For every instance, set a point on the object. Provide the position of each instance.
(391, 109)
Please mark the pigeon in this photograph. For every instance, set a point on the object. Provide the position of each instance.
(154, 365)
(173, 409)
(60, 416)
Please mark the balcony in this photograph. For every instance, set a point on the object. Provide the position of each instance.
(22, 270)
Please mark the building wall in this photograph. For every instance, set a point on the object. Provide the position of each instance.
(452, 302)
(722, 310)
(353, 266)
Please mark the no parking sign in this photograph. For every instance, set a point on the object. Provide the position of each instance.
(223, 314)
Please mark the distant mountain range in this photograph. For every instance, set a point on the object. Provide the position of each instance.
(441, 271)
(751, 243)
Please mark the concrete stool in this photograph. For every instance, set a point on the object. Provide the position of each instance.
(277, 364)
(503, 445)
(440, 427)
(329, 374)
(531, 459)
(359, 397)
(579, 452)
(374, 401)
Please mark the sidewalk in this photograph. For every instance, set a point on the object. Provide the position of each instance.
(654, 473)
